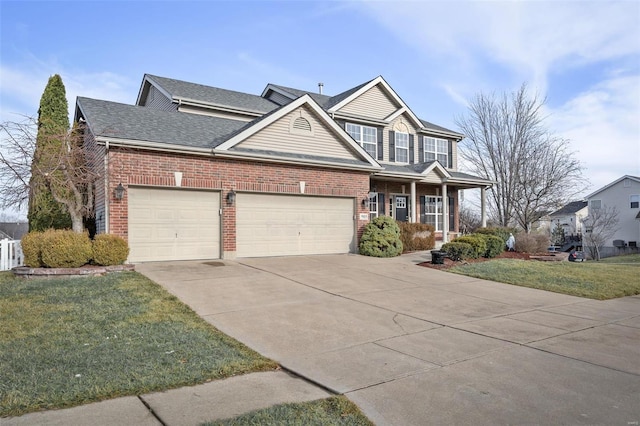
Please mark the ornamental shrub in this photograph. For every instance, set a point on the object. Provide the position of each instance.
(31, 249)
(501, 232)
(109, 249)
(532, 243)
(494, 244)
(475, 241)
(417, 236)
(381, 238)
(63, 248)
(458, 251)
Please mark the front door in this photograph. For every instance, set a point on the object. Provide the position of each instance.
(402, 208)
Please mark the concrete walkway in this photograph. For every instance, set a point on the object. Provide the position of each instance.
(409, 345)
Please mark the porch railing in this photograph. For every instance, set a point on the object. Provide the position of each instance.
(10, 254)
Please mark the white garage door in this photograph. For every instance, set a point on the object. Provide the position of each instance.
(281, 225)
(173, 224)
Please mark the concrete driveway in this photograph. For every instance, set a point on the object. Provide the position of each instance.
(416, 346)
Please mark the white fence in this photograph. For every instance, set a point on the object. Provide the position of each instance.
(10, 254)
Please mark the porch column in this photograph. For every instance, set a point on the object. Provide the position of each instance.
(483, 207)
(413, 203)
(445, 214)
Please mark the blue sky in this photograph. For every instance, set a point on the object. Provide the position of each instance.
(584, 56)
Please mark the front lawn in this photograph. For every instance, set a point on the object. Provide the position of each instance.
(337, 410)
(65, 342)
(595, 280)
(627, 258)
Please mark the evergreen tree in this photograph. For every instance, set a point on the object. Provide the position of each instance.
(53, 124)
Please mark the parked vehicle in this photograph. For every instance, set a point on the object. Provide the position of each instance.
(576, 256)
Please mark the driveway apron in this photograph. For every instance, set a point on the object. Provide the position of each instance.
(415, 346)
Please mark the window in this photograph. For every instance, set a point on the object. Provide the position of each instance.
(366, 136)
(402, 147)
(595, 204)
(433, 212)
(373, 205)
(436, 149)
(635, 201)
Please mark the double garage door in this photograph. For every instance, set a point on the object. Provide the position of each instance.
(178, 224)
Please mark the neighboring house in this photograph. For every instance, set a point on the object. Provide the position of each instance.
(205, 172)
(13, 230)
(624, 195)
(569, 217)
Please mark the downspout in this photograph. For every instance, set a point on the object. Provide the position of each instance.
(106, 188)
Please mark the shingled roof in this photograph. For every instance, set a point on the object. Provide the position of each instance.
(116, 120)
(570, 208)
(179, 89)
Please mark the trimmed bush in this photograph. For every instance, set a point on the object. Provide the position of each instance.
(31, 249)
(458, 251)
(381, 238)
(532, 243)
(109, 249)
(65, 249)
(501, 232)
(495, 245)
(417, 236)
(475, 241)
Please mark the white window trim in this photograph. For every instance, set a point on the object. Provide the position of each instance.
(361, 140)
(373, 205)
(438, 218)
(396, 134)
(631, 200)
(435, 152)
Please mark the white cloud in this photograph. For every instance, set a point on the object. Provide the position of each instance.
(603, 125)
(21, 87)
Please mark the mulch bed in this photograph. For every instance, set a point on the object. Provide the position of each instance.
(448, 263)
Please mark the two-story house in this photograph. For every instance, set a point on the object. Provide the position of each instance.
(569, 218)
(624, 195)
(199, 172)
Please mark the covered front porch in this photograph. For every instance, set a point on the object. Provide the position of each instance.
(430, 195)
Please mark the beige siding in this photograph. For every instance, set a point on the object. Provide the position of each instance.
(401, 122)
(279, 137)
(454, 156)
(373, 103)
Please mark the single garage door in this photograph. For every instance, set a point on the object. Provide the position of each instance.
(281, 225)
(173, 224)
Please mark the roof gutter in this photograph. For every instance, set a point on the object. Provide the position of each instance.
(281, 160)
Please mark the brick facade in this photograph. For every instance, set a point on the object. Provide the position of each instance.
(153, 168)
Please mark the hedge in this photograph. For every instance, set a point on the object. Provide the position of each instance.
(458, 250)
(417, 236)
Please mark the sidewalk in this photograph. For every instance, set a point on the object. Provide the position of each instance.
(191, 405)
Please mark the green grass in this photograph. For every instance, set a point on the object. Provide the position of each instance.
(337, 410)
(595, 280)
(627, 258)
(65, 342)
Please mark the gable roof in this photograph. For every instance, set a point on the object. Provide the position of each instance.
(636, 178)
(143, 126)
(361, 157)
(571, 208)
(198, 94)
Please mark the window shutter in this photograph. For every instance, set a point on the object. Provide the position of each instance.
(411, 151)
(392, 145)
(422, 202)
(380, 145)
(420, 149)
(450, 156)
(381, 205)
(451, 213)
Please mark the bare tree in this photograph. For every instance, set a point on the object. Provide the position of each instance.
(469, 219)
(66, 169)
(599, 227)
(507, 142)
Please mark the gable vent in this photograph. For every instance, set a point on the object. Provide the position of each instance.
(302, 124)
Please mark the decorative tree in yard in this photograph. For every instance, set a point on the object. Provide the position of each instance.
(599, 227)
(507, 142)
(53, 123)
(49, 165)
